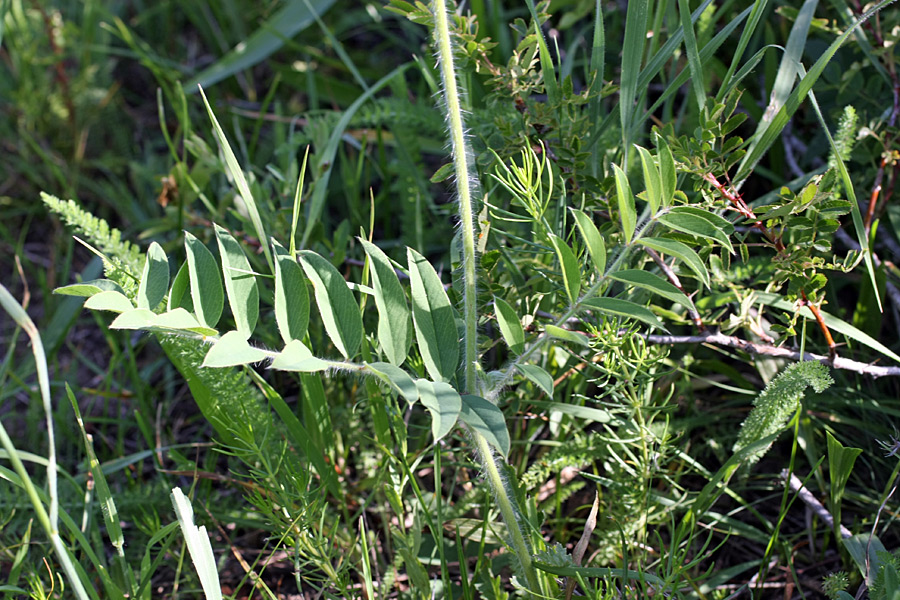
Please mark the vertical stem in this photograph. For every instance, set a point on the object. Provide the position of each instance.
(464, 184)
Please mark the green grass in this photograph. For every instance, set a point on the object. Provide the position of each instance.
(569, 228)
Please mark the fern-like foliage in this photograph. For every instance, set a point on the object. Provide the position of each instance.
(778, 402)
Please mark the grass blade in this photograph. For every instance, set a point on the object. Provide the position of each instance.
(632, 56)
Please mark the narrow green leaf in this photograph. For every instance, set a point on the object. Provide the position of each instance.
(651, 179)
(569, 267)
(112, 301)
(337, 306)
(396, 378)
(840, 465)
(206, 286)
(444, 404)
(538, 376)
(592, 239)
(617, 307)
(237, 176)
(232, 350)
(180, 294)
(154, 279)
(576, 337)
(693, 55)
(548, 70)
(86, 289)
(394, 327)
(653, 283)
(667, 174)
(291, 296)
(240, 284)
(682, 252)
(488, 420)
(510, 325)
(433, 319)
(295, 356)
(626, 203)
(695, 224)
(632, 56)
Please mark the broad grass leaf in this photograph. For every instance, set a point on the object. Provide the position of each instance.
(111, 301)
(510, 325)
(433, 319)
(180, 294)
(653, 283)
(233, 350)
(636, 26)
(237, 176)
(444, 404)
(681, 251)
(616, 307)
(394, 325)
(693, 54)
(569, 266)
(86, 289)
(538, 376)
(295, 356)
(291, 296)
(396, 378)
(625, 198)
(592, 239)
(651, 179)
(154, 279)
(337, 306)
(576, 337)
(206, 285)
(240, 284)
(696, 224)
(488, 420)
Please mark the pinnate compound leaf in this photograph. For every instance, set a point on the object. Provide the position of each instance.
(651, 179)
(180, 294)
(616, 307)
(337, 306)
(567, 335)
(569, 265)
(206, 285)
(154, 279)
(627, 210)
(297, 357)
(488, 420)
(232, 350)
(86, 289)
(510, 325)
(444, 404)
(653, 283)
(396, 378)
(394, 326)
(433, 319)
(538, 376)
(111, 300)
(592, 239)
(291, 296)
(240, 283)
(681, 251)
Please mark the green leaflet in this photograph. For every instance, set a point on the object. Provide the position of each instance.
(627, 211)
(617, 307)
(840, 465)
(652, 179)
(680, 251)
(667, 175)
(291, 296)
(592, 239)
(510, 325)
(576, 337)
(155, 278)
(295, 356)
(433, 319)
(240, 284)
(396, 378)
(653, 283)
(89, 288)
(337, 306)
(180, 294)
(444, 404)
(206, 286)
(569, 266)
(232, 350)
(538, 376)
(699, 223)
(111, 300)
(167, 322)
(394, 330)
(488, 420)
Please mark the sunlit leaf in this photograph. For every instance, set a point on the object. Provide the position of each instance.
(433, 318)
(592, 239)
(510, 325)
(206, 285)
(337, 306)
(232, 350)
(394, 327)
(538, 376)
(569, 266)
(240, 284)
(488, 420)
(626, 204)
(291, 296)
(111, 301)
(616, 307)
(295, 356)
(444, 404)
(681, 251)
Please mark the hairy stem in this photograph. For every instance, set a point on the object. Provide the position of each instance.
(464, 185)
